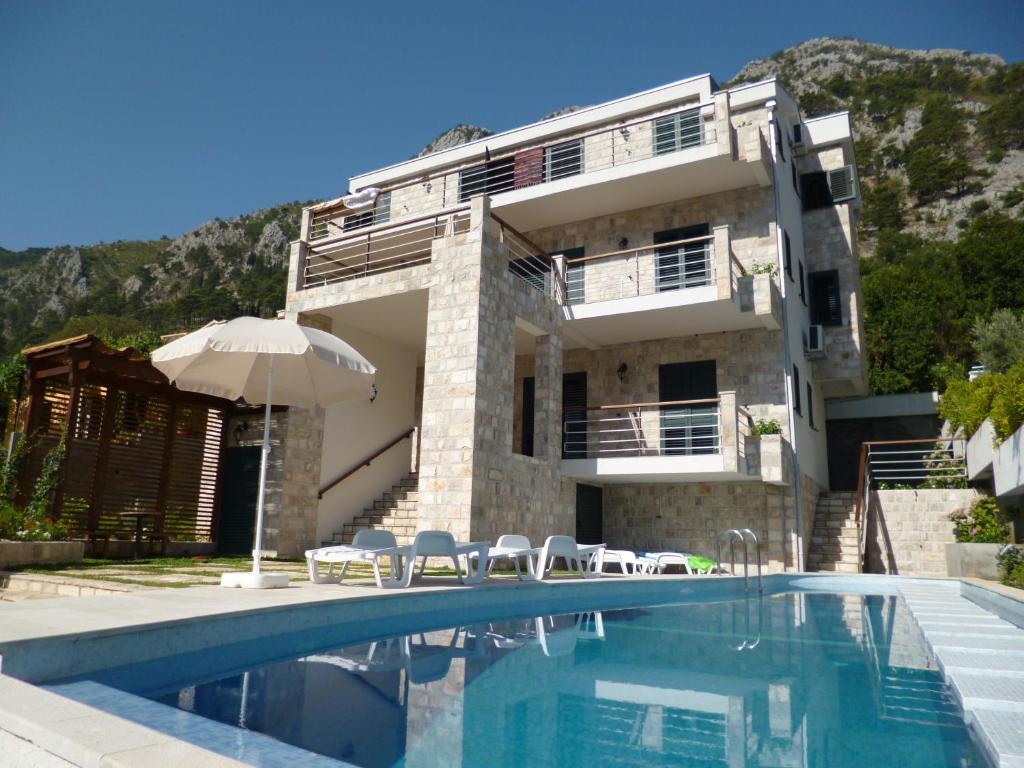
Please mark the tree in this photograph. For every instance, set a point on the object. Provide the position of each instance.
(999, 340)
(883, 204)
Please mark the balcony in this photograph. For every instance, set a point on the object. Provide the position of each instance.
(681, 152)
(690, 286)
(682, 441)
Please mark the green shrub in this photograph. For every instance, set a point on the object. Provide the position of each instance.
(34, 521)
(983, 523)
(764, 268)
(767, 427)
(1011, 566)
(966, 404)
(1007, 412)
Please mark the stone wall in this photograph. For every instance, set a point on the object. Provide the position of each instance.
(908, 530)
(830, 243)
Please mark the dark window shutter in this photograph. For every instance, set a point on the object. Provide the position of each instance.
(788, 253)
(826, 308)
(796, 389)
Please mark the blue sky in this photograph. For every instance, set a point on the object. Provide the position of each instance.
(132, 120)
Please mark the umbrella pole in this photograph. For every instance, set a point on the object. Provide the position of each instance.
(258, 544)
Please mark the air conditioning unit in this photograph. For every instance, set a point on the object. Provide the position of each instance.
(815, 343)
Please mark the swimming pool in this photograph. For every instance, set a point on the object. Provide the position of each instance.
(796, 678)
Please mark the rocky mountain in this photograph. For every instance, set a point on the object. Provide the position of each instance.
(940, 133)
(455, 136)
(224, 267)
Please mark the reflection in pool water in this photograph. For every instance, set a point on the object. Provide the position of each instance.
(790, 680)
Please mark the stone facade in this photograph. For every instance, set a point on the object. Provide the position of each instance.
(908, 530)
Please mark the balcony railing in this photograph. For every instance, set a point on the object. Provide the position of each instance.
(648, 269)
(668, 428)
(381, 248)
(527, 260)
(616, 145)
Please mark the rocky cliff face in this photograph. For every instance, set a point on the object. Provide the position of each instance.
(887, 91)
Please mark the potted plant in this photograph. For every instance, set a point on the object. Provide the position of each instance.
(981, 532)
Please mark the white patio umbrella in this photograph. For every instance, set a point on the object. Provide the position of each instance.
(274, 362)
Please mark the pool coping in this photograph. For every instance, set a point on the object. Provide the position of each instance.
(72, 733)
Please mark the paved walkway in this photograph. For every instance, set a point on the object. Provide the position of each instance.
(982, 657)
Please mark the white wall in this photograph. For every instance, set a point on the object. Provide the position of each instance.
(810, 442)
(353, 431)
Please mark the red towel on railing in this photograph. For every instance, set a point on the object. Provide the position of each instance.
(529, 167)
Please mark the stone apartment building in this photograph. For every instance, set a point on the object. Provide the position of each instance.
(578, 325)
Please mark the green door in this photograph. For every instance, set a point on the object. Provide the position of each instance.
(238, 500)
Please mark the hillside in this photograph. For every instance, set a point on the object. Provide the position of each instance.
(940, 145)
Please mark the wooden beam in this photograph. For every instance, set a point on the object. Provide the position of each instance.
(218, 488)
(170, 431)
(99, 478)
(75, 388)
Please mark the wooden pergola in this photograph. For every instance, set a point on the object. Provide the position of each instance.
(134, 442)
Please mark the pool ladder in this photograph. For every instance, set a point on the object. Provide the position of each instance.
(741, 534)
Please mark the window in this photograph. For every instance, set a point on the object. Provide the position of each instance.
(528, 414)
(796, 389)
(684, 265)
(679, 131)
(379, 213)
(825, 306)
(778, 141)
(575, 277)
(824, 188)
(810, 405)
(803, 291)
(563, 160)
(788, 253)
(796, 180)
(487, 179)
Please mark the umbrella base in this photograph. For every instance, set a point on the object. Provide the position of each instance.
(250, 580)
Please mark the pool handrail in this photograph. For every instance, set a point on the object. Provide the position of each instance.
(732, 535)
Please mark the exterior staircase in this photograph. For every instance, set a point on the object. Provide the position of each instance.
(834, 538)
(394, 511)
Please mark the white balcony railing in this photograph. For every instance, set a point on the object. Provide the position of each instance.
(669, 428)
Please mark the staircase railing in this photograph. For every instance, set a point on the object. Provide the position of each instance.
(366, 462)
(929, 463)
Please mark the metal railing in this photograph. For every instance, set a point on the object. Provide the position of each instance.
(740, 534)
(641, 271)
(527, 260)
(669, 428)
(626, 142)
(381, 248)
(895, 464)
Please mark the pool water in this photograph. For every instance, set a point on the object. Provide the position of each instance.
(795, 679)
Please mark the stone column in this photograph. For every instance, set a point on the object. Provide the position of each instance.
(721, 262)
(728, 435)
(293, 477)
(451, 379)
(547, 418)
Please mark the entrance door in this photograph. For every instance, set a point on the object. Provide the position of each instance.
(688, 429)
(589, 506)
(682, 266)
(240, 486)
(574, 415)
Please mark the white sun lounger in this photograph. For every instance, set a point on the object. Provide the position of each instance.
(511, 546)
(443, 544)
(630, 562)
(367, 546)
(587, 559)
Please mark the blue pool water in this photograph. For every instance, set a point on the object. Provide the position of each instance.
(794, 679)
